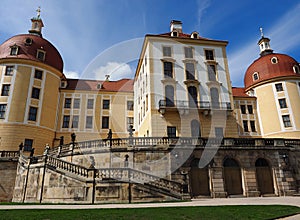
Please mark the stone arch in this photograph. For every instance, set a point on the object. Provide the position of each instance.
(232, 177)
(264, 177)
(199, 180)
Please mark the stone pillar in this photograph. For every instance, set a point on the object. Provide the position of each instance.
(250, 183)
(217, 182)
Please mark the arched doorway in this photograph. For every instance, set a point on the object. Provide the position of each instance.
(264, 177)
(199, 180)
(195, 128)
(232, 177)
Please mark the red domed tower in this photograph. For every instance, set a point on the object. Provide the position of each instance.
(275, 80)
(30, 74)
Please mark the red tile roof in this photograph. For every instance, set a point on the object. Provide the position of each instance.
(29, 51)
(123, 85)
(239, 92)
(267, 70)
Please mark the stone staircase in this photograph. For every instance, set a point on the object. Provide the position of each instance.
(114, 175)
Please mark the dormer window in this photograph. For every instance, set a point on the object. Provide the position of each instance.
(14, 50)
(255, 76)
(194, 35)
(274, 60)
(174, 34)
(296, 69)
(99, 86)
(63, 84)
(41, 55)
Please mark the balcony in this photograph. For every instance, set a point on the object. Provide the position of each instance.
(167, 105)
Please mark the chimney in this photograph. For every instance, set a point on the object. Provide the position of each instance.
(176, 26)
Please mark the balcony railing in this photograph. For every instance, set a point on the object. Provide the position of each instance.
(205, 105)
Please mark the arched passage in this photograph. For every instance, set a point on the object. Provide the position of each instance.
(232, 177)
(199, 180)
(264, 177)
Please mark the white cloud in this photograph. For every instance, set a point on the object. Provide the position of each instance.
(71, 74)
(115, 70)
(202, 6)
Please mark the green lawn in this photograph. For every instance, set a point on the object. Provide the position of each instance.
(210, 212)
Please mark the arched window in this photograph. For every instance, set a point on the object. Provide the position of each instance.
(169, 93)
(229, 162)
(195, 128)
(214, 95)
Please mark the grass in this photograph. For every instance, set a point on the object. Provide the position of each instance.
(205, 212)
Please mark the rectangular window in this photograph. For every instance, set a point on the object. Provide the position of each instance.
(35, 93)
(66, 121)
(89, 122)
(168, 69)
(243, 109)
(9, 70)
(171, 131)
(68, 102)
(245, 125)
(167, 51)
(252, 125)
(130, 105)
(286, 121)
(105, 122)
(2, 111)
(38, 74)
(106, 104)
(129, 121)
(76, 103)
(28, 144)
(279, 87)
(211, 72)
(188, 52)
(5, 90)
(32, 113)
(75, 121)
(250, 109)
(282, 103)
(209, 55)
(90, 103)
(219, 132)
(190, 71)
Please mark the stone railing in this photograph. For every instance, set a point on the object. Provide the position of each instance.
(118, 174)
(70, 167)
(193, 104)
(153, 142)
(9, 154)
(139, 177)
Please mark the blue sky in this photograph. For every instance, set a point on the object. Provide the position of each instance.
(86, 31)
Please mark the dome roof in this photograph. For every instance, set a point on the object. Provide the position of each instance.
(270, 66)
(28, 46)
